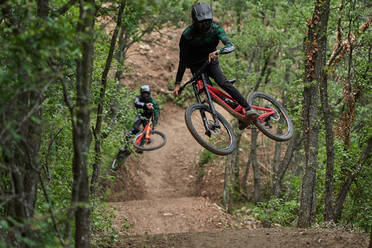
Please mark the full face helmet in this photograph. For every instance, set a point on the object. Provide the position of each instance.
(202, 16)
(145, 91)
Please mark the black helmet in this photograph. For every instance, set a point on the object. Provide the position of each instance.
(201, 12)
(145, 89)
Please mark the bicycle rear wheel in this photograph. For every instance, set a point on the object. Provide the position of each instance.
(219, 140)
(277, 126)
(157, 140)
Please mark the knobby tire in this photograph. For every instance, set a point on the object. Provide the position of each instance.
(286, 120)
(230, 147)
(156, 135)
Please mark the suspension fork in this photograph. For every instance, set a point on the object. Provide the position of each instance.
(202, 111)
(210, 102)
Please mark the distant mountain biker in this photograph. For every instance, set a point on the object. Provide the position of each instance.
(148, 106)
(198, 43)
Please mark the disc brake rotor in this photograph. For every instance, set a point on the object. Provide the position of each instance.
(213, 128)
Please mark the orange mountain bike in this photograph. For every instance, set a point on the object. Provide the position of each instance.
(146, 140)
(213, 131)
(149, 139)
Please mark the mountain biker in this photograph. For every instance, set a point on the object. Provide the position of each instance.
(197, 44)
(148, 105)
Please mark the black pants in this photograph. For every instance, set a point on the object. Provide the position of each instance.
(214, 71)
(136, 127)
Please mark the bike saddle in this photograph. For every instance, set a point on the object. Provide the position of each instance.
(232, 81)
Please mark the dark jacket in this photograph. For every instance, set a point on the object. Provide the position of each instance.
(195, 46)
(140, 103)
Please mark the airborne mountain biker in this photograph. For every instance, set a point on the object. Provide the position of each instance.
(148, 105)
(148, 108)
(198, 43)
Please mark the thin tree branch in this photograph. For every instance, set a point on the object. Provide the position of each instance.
(67, 100)
(351, 39)
(63, 9)
(52, 215)
(46, 165)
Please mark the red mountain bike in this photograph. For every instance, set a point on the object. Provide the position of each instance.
(146, 140)
(211, 129)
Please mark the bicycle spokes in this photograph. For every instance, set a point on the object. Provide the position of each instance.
(150, 141)
(273, 120)
(270, 117)
(216, 137)
(213, 127)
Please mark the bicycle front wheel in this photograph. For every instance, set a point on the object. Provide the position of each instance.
(157, 140)
(217, 139)
(277, 126)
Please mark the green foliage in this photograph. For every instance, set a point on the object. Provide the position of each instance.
(43, 233)
(186, 97)
(205, 157)
(277, 211)
(358, 205)
(103, 232)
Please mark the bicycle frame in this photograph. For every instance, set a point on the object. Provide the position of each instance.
(200, 85)
(146, 131)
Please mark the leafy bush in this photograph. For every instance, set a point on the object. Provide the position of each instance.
(205, 157)
(103, 233)
(277, 211)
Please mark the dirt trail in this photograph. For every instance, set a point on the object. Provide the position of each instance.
(167, 204)
(168, 168)
(260, 238)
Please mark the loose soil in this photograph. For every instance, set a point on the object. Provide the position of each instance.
(155, 194)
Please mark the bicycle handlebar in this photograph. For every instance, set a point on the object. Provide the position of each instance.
(194, 77)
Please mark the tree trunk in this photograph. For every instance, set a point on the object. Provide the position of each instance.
(349, 180)
(81, 130)
(315, 61)
(277, 152)
(124, 44)
(245, 178)
(298, 161)
(232, 179)
(256, 168)
(97, 130)
(276, 165)
(234, 165)
(294, 144)
(328, 123)
(21, 155)
(227, 189)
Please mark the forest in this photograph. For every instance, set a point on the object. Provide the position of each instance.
(66, 103)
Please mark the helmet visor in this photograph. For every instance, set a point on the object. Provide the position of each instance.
(204, 25)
